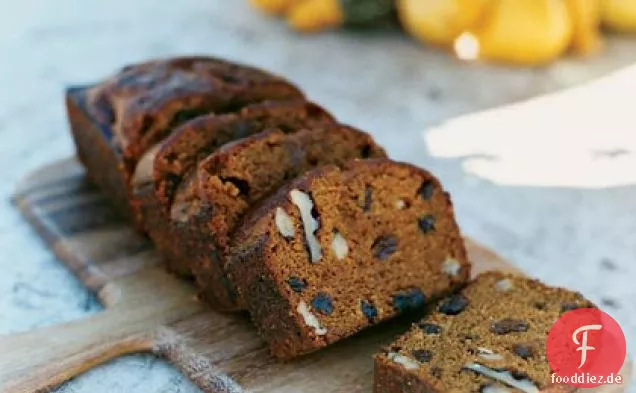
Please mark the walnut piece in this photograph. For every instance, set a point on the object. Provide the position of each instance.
(505, 377)
(339, 245)
(284, 223)
(488, 354)
(310, 319)
(408, 363)
(451, 267)
(504, 285)
(305, 205)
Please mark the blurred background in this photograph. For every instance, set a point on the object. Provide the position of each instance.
(523, 108)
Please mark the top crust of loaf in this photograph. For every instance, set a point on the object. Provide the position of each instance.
(138, 78)
(146, 92)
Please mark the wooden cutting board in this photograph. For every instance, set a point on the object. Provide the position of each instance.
(147, 310)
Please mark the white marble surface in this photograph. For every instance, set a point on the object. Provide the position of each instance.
(577, 236)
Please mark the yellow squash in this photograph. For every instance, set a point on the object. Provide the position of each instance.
(586, 19)
(524, 32)
(315, 15)
(619, 15)
(439, 22)
(527, 32)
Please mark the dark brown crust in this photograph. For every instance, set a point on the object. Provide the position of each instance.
(135, 79)
(150, 117)
(248, 269)
(159, 230)
(140, 100)
(103, 165)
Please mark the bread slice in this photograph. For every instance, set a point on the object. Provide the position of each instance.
(229, 182)
(161, 170)
(488, 338)
(338, 250)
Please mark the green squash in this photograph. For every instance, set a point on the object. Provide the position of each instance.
(367, 12)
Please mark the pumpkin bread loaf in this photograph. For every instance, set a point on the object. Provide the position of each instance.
(490, 338)
(338, 250)
(139, 107)
(161, 171)
(209, 206)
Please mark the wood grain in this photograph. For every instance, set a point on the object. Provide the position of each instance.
(149, 310)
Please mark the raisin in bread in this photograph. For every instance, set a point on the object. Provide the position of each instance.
(230, 181)
(338, 250)
(162, 170)
(115, 122)
(491, 337)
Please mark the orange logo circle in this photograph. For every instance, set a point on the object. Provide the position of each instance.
(586, 348)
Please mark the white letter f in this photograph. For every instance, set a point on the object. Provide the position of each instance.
(584, 348)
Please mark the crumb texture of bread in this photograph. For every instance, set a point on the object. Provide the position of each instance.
(174, 164)
(340, 249)
(490, 337)
(239, 175)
